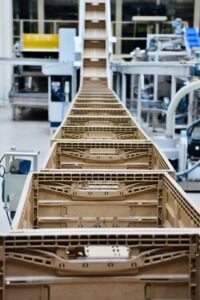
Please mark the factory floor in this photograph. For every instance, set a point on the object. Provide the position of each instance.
(31, 132)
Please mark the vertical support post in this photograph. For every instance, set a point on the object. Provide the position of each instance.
(21, 28)
(132, 87)
(124, 88)
(157, 28)
(35, 162)
(155, 92)
(132, 90)
(139, 108)
(114, 79)
(190, 107)
(118, 28)
(173, 90)
(173, 87)
(155, 88)
(118, 84)
(74, 83)
(196, 20)
(49, 99)
(54, 27)
(41, 16)
(81, 8)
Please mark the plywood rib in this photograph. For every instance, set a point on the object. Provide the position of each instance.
(95, 34)
(94, 53)
(94, 16)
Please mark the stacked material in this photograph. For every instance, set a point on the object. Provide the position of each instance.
(104, 219)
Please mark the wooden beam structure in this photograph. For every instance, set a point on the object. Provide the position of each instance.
(104, 219)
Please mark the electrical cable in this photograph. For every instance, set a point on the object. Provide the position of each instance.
(7, 214)
(2, 158)
(191, 126)
(2, 171)
(188, 171)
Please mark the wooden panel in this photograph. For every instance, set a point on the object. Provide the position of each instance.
(105, 199)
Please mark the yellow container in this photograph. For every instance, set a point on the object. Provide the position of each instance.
(40, 41)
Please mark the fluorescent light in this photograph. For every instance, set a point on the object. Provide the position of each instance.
(149, 19)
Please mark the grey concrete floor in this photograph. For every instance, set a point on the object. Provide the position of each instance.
(29, 132)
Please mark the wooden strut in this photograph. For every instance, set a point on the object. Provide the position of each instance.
(83, 265)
